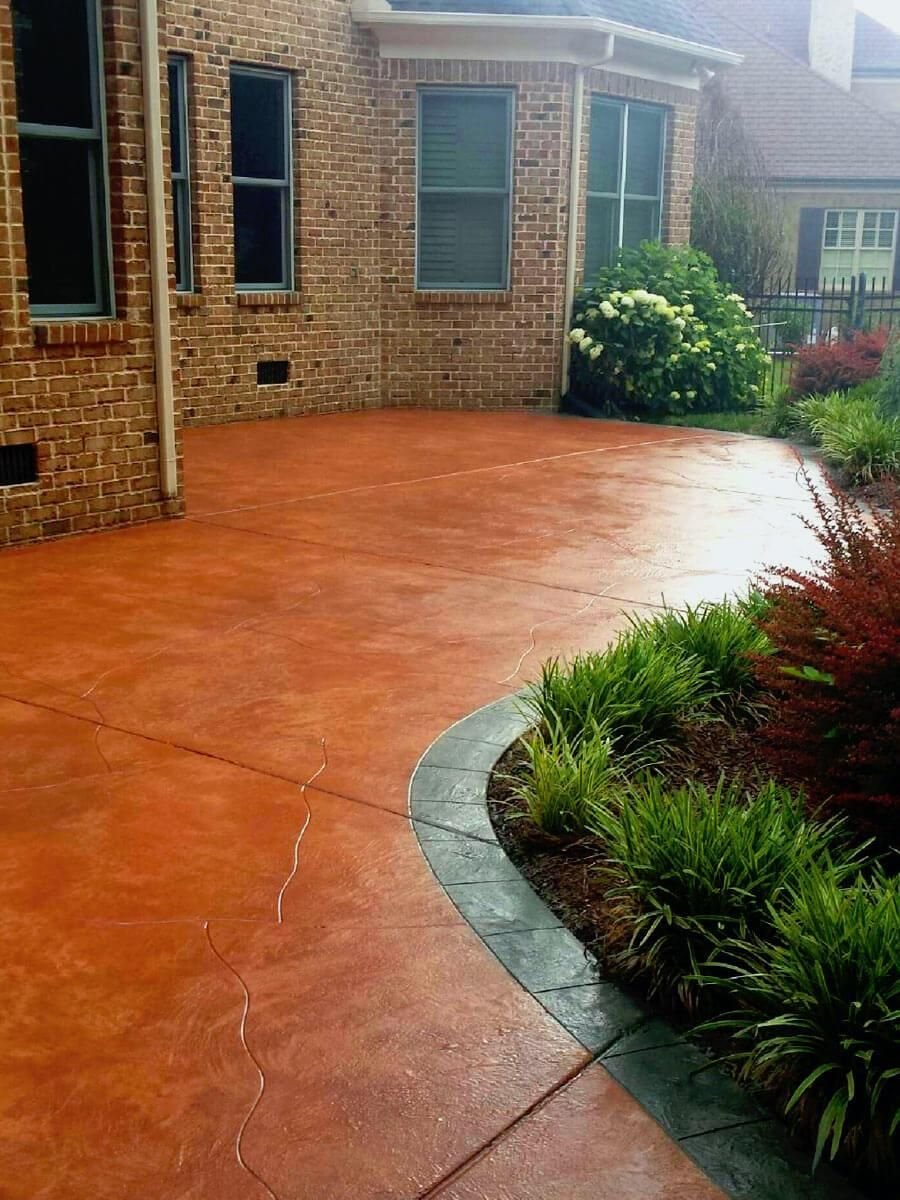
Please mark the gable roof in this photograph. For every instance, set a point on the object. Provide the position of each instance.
(672, 18)
(806, 127)
(877, 48)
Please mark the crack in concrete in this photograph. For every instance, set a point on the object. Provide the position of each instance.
(279, 906)
(548, 621)
(242, 1031)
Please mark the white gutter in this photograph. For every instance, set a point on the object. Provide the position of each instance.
(159, 255)
(377, 14)
(574, 208)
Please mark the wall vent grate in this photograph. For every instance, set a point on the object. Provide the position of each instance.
(18, 464)
(272, 372)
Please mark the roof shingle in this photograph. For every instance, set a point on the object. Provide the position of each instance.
(806, 127)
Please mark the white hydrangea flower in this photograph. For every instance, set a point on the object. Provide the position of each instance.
(679, 322)
(640, 296)
(674, 395)
(608, 311)
(627, 302)
(740, 347)
(596, 352)
(577, 334)
(585, 344)
(688, 310)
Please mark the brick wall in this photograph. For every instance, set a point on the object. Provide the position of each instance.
(355, 332)
(497, 350)
(84, 392)
(328, 329)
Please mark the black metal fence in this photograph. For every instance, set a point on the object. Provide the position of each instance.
(791, 316)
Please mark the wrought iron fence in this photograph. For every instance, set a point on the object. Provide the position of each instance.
(790, 316)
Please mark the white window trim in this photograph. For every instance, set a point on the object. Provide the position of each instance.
(510, 95)
(857, 250)
(286, 184)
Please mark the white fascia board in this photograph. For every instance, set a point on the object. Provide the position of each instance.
(578, 40)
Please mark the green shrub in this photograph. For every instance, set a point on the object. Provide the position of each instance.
(659, 334)
(566, 780)
(723, 637)
(694, 872)
(864, 444)
(889, 379)
(821, 1011)
(638, 690)
(774, 412)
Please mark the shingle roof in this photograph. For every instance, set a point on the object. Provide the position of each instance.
(805, 126)
(877, 47)
(674, 18)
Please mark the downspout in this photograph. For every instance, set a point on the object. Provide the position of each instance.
(159, 255)
(574, 206)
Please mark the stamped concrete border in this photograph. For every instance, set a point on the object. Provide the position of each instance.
(739, 1145)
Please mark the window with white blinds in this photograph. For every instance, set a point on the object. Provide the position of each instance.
(625, 179)
(464, 189)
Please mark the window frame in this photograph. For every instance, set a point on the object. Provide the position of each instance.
(182, 196)
(508, 192)
(285, 185)
(620, 196)
(857, 249)
(105, 306)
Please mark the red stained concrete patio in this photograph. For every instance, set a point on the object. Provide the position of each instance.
(219, 985)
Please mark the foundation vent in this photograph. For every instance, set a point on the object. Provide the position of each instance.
(272, 372)
(18, 464)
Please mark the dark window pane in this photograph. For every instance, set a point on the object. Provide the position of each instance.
(463, 241)
(602, 237)
(258, 148)
(53, 62)
(645, 131)
(641, 222)
(176, 117)
(61, 235)
(606, 147)
(182, 217)
(259, 235)
(464, 141)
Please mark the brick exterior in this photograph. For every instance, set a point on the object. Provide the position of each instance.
(84, 391)
(355, 332)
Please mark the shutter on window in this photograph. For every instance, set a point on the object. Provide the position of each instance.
(463, 145)
(896, 284)
(809, 248)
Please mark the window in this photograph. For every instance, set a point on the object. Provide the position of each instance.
(625, 179)
(464, 189)
(262, 179)
(857, 240)
(62, 147)
(181, 173)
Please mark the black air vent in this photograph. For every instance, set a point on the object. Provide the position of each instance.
(272, 372)
(18, 464)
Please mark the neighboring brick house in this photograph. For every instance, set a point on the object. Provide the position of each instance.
(305, 206)
(829, 138)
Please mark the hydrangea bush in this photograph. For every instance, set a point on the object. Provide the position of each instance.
(659, 334)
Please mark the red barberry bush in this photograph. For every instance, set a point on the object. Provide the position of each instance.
(838, 365)
(835, 673)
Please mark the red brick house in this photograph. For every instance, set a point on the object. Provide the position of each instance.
(819, 91)
(226, 211)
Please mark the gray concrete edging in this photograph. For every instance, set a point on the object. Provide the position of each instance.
(744, 1149)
